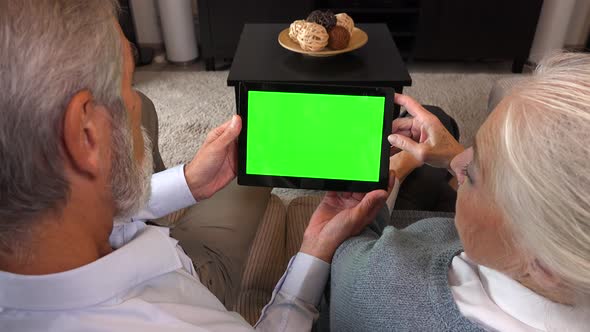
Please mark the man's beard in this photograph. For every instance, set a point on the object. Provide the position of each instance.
(130, 181)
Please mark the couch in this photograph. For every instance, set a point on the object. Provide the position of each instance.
(280, 231)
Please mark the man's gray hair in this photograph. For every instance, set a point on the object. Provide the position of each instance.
(540, 170)
(49, 51)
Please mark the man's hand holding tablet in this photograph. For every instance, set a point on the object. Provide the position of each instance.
(338, 217)
(319, 137)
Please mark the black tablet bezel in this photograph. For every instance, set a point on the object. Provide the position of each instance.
(313, 183)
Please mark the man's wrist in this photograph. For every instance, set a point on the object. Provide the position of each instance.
(315, 248)
(306, 278)
(193, 187)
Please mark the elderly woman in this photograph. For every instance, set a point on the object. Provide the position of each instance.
(516, 257)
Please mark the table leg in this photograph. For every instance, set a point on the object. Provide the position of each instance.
(210, 64)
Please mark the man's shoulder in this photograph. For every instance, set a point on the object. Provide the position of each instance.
(125, 231)
(170, 301)
(135, 314)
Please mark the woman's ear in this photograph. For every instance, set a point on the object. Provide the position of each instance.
(543, 275)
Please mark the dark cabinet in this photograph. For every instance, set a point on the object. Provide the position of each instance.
(467, 29)
(421, 29)
(401, 16)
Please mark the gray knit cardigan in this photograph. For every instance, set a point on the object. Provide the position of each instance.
(390, 279)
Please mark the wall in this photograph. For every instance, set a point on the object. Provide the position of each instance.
(560, 22)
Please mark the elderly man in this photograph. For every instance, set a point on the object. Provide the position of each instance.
(76, 188)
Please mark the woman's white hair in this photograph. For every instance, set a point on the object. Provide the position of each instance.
(540, 175)
(49, 51)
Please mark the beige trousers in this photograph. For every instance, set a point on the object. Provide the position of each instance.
(217, 233)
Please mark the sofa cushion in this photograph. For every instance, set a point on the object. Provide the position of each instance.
(265, 264)
(278, 239)
(298, 214)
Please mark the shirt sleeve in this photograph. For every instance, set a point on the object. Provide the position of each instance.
(294, 301)
(393, 195)
(170, 192)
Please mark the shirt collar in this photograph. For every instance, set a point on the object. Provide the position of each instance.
(528, 306)
(149, 253)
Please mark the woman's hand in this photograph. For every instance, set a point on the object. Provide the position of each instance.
(402, 164)
(423, 135)
(338, 217)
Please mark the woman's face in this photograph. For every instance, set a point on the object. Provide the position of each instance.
(478, 219)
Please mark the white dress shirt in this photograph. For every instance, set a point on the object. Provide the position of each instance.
(499, 303)
(149, 284)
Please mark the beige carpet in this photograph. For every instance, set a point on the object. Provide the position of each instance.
(190, 103)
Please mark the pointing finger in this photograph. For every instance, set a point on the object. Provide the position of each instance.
(411, 105)
(407, 144)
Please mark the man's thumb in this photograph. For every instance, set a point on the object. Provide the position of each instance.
(231, 132)
(405, 143)
(370, 205)
(373, 199)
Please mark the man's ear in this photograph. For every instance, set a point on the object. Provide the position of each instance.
(83, 129)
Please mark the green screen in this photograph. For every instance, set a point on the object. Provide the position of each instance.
(314, 135)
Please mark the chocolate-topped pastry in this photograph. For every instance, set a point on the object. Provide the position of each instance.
(326, 19)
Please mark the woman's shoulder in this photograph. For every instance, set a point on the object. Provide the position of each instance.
(427, 235)
(397, 254)
(435, 230)
(389, 277)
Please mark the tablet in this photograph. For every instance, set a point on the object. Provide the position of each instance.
(314, 136)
